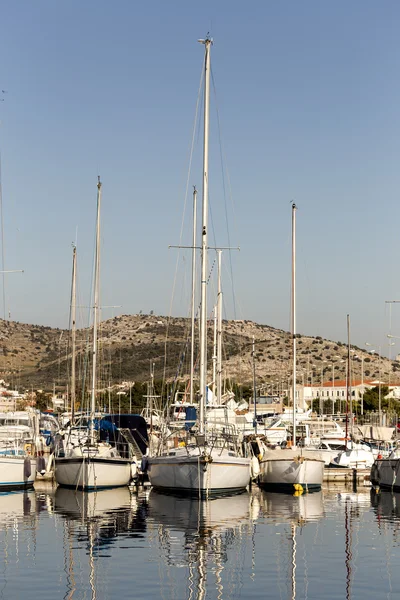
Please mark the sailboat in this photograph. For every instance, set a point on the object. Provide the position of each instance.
(211, 464)
(292, 468)
(90, 463)
(355, 455)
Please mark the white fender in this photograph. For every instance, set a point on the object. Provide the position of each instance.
(255, 467)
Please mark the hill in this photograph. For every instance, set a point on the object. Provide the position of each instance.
(39, 357)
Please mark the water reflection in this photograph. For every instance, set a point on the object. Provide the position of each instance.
(198, 534)
(111, 513)
(95, 521)
(386, 506)
(69, 545)
(295, 511)
(21, 505)
(298, 509)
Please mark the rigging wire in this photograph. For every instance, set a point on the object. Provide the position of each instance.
(86, 366)
(223, 162)
(182, 223)
(226, 183)
(2, 243)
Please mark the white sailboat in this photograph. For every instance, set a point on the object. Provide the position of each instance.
(91, 464)
(213, 464)
(292, 468)
(17, 471)
(355, 455)
(20, 440)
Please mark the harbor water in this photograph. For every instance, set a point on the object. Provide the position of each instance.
(335, 544)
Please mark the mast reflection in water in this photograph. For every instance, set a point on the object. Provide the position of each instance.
(110, 513)
(198, 534)
(95, 521)
(114, 544)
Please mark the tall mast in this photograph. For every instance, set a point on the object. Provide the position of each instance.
(203, 314)
(73, 333)
(214, 357)
(151, 395)
(2, 245)
(193, 293)
(253, 356)
(95, 308)
(219, 332)
(293, 311)
(349, 403)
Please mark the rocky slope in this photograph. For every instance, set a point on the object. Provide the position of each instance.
(39, 356)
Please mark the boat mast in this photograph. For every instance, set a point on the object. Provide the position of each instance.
(293, 311)
(214, 356)
(73, 333)
(95, 311)
(349, 399)
(203, 313)
(253, 356)
(193, 293)
(219, 332)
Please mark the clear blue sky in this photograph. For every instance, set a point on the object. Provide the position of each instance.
(309, 105)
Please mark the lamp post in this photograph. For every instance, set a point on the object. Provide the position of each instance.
(321, 400)
(333, 383)
(362, 385)
(321, 381)
(390, 358)
(312, 386)
(379, 388)
(392, 337)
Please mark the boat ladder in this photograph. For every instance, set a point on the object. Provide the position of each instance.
(133, 443)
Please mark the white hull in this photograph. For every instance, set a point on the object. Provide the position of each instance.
(94, 472)
(355, 458)
(225, 473)
(14, 472)
(326, 455)
(285, 469)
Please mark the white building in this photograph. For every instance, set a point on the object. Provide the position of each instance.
(336, 392)
(9, 398)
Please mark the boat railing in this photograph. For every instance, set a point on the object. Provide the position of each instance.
(226, 437)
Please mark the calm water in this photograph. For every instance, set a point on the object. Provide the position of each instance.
(114, 544)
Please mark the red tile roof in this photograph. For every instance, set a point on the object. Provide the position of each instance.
(343, 383)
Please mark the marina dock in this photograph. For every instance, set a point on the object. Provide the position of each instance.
(337, 475)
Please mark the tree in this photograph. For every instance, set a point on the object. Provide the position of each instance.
(42, 400)
(371, 397)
